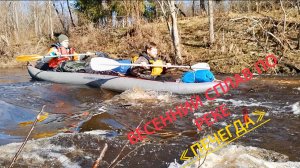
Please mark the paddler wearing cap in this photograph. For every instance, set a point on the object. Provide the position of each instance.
(58, 63)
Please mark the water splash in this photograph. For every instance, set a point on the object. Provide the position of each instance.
(296, 108)
(237, 155)
(137, 96)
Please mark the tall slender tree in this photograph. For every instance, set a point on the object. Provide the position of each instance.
(211, 21)
(60, 18)
(202, 6)
(173, 27)
(175, 33)
(71, 17)
(50, 20)
(193, 8)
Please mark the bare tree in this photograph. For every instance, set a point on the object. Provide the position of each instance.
(175, 33)
(15, 19)
(60, 18)
(193, 8)
(136, 14)
(284, 21)
(35, 17)
(202, 6)
(298, 6)
(180, 11)
(165, 15)
(127, 6)
(257, 4)
(211, 21)
(50, 20)
(173, 27)
(72, 21)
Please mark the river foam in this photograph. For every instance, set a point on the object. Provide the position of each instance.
(296, 108)
(242, 156)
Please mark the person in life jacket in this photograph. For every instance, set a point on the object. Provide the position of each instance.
(148, 56)
(60, 48)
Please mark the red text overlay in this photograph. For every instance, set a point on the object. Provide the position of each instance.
(195, 102)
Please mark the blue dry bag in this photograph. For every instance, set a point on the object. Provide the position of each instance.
(123, 69)
(198, 76)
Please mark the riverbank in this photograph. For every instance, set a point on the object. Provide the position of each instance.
(241, 39)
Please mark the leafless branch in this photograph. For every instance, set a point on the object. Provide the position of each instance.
(111, 164)
(284, 22)
(205, 152)
(27, 137)
(275, 38)
(97, 162)
(128, 154)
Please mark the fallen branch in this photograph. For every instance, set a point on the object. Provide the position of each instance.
(275, 38)
(27, 137)
(97, 162)
(244, 17)
(128, 154)
(125, 145)
(205, 153)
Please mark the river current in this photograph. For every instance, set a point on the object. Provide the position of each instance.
(79, 120)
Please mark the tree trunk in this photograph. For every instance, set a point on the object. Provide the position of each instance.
(7, 20)
(193, 8)
(298, 47)
(284, 21)
(66, 23)
(298, 6)
(180, 11)
(60, 19)
(50, 21)
(16, 21)
(175, 33)
(62, 9)
(136, 10)
(35, 18)
(72, 21)
(202, 6)
(257, 7)
(162, 6)
(126, 12)
(211, 21)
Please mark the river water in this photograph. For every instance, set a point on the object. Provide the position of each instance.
(79, 120)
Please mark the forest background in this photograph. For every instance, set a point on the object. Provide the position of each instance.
(227, 34)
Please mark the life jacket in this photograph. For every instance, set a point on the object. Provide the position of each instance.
(155, 71)
(54, 62)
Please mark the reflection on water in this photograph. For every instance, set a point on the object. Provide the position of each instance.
(81, 109)
(21, 100)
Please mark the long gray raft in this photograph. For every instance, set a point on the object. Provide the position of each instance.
(117, 83)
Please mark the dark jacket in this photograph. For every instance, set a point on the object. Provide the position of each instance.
(142, 72)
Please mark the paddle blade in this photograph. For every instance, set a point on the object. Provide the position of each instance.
(200, 66)
(24, 58)
(103, 64)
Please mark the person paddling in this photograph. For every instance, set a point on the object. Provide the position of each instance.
(148, 56)
(59, 63)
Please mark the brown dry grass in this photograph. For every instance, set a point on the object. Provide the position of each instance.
(235, 47)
